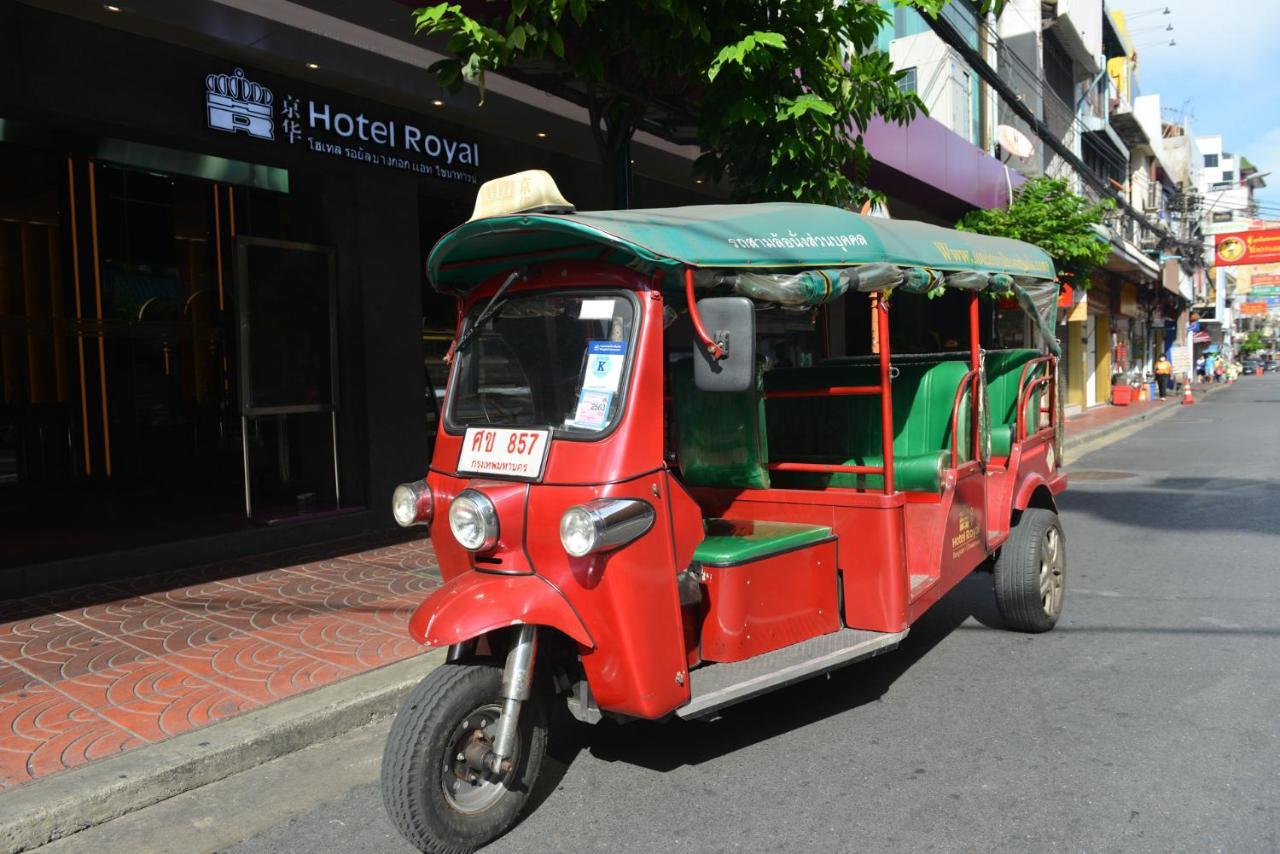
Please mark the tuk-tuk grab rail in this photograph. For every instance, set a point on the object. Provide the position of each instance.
(969, 379)
(826, 468)
(828, 391)
(1025, 390)
(1024, 399)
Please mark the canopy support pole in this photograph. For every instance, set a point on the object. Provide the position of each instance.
(975, 365)
(881, 309)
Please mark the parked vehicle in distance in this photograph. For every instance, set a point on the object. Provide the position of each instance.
(1249, 366)
(1272, 366)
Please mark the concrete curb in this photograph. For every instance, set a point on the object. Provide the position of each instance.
(58, 806)
(1074, 441)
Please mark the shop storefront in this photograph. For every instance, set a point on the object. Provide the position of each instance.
(215, 331)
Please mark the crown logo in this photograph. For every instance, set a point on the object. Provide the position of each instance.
(236, 104)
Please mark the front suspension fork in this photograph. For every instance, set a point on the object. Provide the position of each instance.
(517, 686)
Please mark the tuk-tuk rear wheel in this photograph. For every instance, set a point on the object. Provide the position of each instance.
(442, 803)
(1030, 572)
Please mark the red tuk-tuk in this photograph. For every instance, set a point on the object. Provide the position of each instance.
(680, 465)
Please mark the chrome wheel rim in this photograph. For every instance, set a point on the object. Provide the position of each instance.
(465, 789)
(1052, 564)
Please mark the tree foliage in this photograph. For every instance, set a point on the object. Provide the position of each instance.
(1252, 343)
(780, 92)
(1045, 212)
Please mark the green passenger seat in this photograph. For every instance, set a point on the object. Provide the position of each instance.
(845, 430)
(720, 439)
(732, 541)
(1003, 369)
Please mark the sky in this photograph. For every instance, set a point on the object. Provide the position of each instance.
(1224, 70)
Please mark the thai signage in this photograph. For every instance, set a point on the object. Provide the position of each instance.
(1248, 309)
(1247, 247)
(236, 104)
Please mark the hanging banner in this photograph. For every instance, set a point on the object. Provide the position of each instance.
(1247, 247)
(1254, 309)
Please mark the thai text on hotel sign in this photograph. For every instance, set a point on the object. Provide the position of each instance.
(236, 104)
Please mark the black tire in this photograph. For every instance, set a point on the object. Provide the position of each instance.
(1029, 573)
(419, 760)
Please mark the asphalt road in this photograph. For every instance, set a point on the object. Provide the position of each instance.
(1149, 720)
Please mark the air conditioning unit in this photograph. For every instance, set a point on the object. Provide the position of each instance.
(1154, 198)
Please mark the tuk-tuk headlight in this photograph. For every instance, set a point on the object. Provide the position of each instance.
(603, 524)
(412, 504)
(474, 521)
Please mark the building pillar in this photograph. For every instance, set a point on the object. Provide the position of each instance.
(1102, 356)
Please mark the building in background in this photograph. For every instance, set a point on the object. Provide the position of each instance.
(216, 336)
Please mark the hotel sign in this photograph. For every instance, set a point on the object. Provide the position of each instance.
(237, 105)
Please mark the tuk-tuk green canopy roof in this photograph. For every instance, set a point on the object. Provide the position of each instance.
(773, 236)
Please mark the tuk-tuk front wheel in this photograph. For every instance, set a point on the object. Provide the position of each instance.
(1030, 572)
(435, 784)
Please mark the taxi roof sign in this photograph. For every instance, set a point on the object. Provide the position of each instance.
(531, 191)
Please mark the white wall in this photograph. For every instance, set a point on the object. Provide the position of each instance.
(1147, 112)
(943, 80)
(1079, 25)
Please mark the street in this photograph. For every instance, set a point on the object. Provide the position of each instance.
(1145, 722)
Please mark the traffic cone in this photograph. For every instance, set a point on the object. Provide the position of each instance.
(1187, 399)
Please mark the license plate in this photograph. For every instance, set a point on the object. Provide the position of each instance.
(504, 453)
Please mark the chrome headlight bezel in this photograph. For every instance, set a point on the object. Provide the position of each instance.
(604, 524)
(484, 515)
(412, 504)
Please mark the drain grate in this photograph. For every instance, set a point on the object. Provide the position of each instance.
(1100, 474)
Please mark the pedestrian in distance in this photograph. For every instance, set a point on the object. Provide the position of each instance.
(1163, 370)
(1200, 368)
(1218, 371)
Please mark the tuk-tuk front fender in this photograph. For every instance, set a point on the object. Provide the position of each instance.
(475, 603)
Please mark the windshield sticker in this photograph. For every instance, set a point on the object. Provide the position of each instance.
(605, 360)
(593, 409)
(596, 309)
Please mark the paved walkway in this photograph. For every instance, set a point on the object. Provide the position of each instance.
(1101, 418)
(96, 670)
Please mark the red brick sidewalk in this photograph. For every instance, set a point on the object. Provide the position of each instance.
(97, 670)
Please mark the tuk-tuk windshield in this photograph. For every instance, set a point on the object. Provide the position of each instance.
(556, 360)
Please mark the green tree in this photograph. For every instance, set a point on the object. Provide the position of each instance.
(1045, 212)
(1252, 343)
(778, 94)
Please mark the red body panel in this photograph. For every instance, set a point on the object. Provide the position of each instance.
(628, 600)
(757, 607)
(623, 607)
(873, 562)
(474, 603)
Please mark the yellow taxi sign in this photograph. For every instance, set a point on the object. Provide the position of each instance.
(524, 192)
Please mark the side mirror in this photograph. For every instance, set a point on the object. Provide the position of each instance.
(731, 323)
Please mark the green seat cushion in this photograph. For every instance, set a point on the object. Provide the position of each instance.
(720, 439)
(733, 541)
(1002, 439)
(1003, 370)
